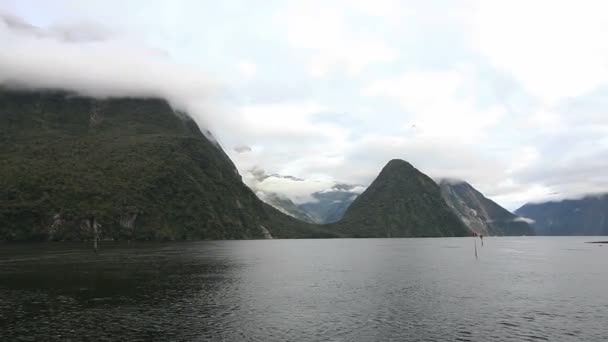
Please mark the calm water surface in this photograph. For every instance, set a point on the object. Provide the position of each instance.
(519, 289)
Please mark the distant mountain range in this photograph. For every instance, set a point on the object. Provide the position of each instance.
(326, 206)
(330, 205)
(133, 168)
(286, 206)
(320, 207)
(480, 214)
(585, 216)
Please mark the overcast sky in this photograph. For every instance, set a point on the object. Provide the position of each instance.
(511, 96)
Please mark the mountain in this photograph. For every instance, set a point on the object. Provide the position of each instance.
(324, 206)
(400, 202)
(480, 214)
(131, 168)
(329, 205)
(256, 177)
(586, 216)
(286, 206)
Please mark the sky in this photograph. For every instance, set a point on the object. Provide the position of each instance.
(511, 96)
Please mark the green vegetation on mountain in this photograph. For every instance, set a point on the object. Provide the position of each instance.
(133, 168)
(480, 214)
(400, 202)
(585, 216)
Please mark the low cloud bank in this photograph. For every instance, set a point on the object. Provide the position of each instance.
(524, 219)
(296, 189)
(94, 63)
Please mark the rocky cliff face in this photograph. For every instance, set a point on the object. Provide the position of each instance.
(132, 168)
(586, 216)
(480, 214)
(400, 202)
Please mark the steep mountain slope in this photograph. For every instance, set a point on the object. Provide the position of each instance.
(400, 202)
(330, 205)
(326, 205)
(286, 206)
(132, 168)
(586, 216)
(480, 214)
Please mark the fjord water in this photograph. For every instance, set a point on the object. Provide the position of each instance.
(528, 288)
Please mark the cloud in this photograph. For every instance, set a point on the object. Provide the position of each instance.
(442, 104)
(450, 181)
(355, 189)
(92, 65)
(553, 49)
(524, 219)
(329, 91)
(242, 149)
(296, 189)
(326, 35)
(247, 69)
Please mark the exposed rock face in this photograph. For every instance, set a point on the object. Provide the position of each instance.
(266, 233)
(586, 216)
(401, 202)
(127, 221)
(131, 168)
(480, 214)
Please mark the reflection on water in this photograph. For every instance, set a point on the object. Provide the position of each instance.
(306, 290)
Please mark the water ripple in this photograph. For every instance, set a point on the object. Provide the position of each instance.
(315, 290)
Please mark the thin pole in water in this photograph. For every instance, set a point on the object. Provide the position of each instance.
(475, 248)
(93, 224)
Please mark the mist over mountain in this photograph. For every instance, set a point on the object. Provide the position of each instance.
(132, 167)
(285, 205)
(315, 201)
(584, 216)
(330, 205)
(480, 214)
(136, 169)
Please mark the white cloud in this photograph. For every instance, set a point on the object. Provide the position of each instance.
(556, 49)
(324, 30)
(546, 121)
(525, 157)
(506, 95)
(356, 190)
(247, 69)
(519, 194)
(524, 219)
(101, 67)
(287, 120)
(440, 104)
(297, 191)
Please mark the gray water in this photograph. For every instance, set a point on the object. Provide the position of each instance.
(519, 289)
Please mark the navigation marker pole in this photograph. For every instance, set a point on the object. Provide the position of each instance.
(475, 248)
